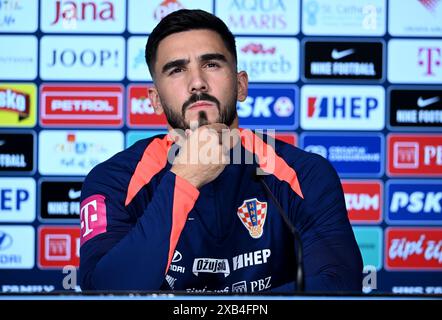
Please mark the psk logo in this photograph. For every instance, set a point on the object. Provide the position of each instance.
(253, 215)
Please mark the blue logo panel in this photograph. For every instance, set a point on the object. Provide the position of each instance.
(269, 107)
(356, 155)
(414, 202)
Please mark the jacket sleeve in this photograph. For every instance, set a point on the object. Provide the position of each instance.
(119, 251)
(332, 260)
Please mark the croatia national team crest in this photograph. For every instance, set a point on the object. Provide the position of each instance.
(253, 215)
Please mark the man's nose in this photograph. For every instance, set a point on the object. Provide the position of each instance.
(198, 82)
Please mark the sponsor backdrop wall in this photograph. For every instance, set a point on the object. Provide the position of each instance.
(359, 82)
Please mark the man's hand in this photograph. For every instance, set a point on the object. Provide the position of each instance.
(202, 156)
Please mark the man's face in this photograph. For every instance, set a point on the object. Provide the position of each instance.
(196, 80)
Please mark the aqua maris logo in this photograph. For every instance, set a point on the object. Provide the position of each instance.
(69, 13)
(257, 15)
(16, 102)
(210, 265)
(430, 60)
(166, 7)
(252, 214)
(5, 241)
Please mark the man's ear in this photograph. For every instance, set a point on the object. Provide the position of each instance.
(155, 100)
(243, 85)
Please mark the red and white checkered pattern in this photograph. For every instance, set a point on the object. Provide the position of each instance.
(243, 214)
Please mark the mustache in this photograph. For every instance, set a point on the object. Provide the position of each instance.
(200, 97)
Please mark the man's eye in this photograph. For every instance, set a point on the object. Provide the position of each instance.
(212, 65)
(176, 70)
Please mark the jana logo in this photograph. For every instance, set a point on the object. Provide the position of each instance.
(5, 241)
(166, 7)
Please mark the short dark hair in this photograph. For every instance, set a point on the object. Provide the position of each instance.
(186, 20)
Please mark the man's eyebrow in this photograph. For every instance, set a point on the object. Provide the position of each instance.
(213, 56)
(174, 64)
(182, 62)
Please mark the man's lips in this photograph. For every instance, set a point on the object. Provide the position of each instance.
(201, 105)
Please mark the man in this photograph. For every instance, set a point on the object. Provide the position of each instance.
(159, 216)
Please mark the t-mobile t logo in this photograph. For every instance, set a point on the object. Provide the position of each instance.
(429, 58)
(92, 217)
(88, 214)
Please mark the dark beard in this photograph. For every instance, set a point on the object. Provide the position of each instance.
(226, 115)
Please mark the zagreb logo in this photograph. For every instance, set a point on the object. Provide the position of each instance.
(252, 214)
(166, 7)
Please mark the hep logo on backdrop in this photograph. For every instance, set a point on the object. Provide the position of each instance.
(341, 107)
